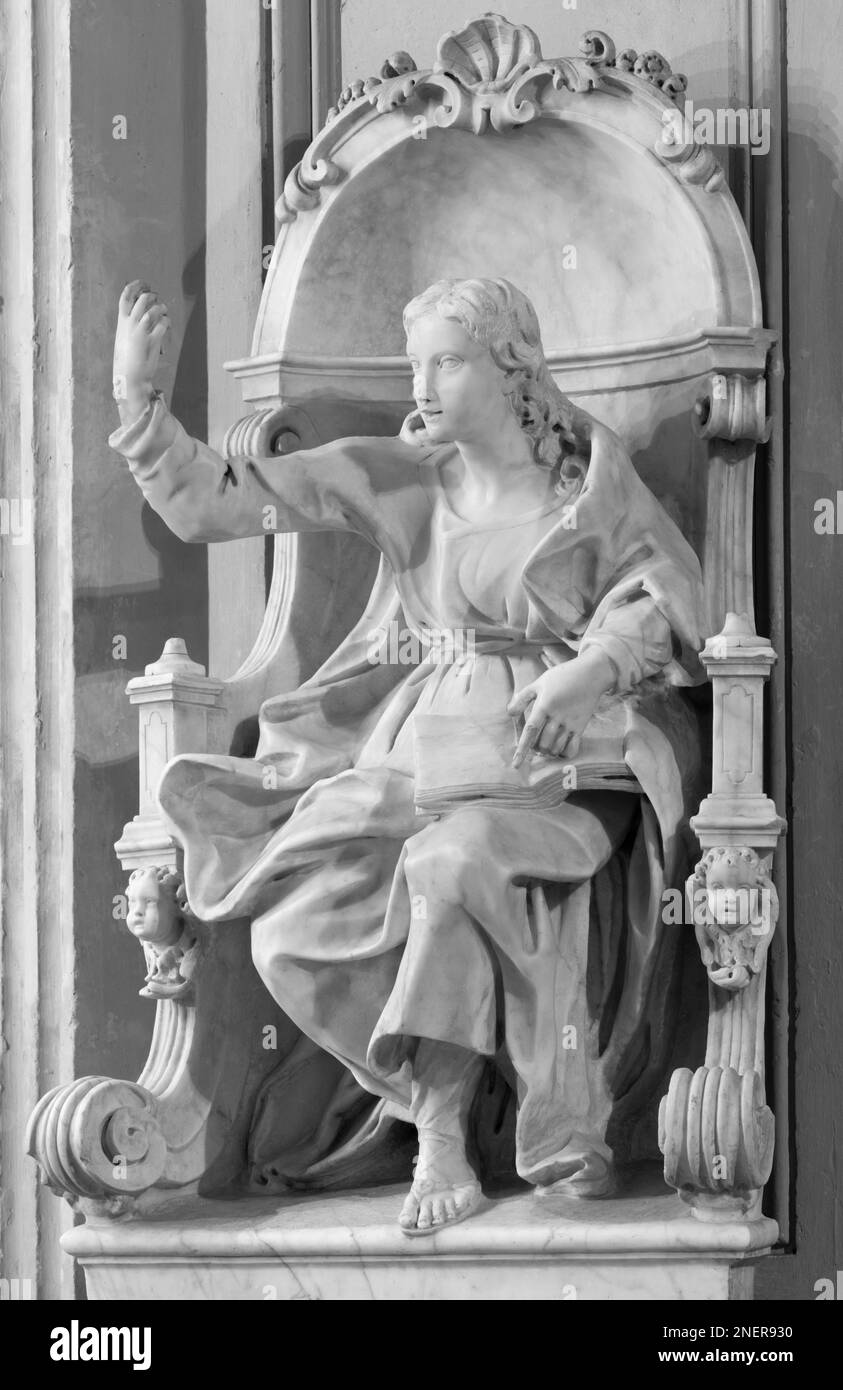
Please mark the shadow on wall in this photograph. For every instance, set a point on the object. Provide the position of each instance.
(143, 203)
(814, 573)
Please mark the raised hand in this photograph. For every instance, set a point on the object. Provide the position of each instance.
(559, 703)
(142, 322)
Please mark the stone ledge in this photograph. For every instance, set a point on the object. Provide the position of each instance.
(347, 1246)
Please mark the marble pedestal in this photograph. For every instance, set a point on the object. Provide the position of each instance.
(643, 1244)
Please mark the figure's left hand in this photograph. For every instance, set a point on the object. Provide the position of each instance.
(561, 701)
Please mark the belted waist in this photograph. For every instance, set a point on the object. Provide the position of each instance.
(465, 645)
(515, 646)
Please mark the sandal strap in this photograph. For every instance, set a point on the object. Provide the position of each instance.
(425, 1187)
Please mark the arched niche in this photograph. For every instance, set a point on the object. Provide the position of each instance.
(575, 178)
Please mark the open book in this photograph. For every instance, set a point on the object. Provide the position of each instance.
(463, 758)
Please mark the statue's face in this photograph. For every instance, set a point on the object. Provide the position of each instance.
(458, 388)
(152, 915)
(143, 895)
(732, 893)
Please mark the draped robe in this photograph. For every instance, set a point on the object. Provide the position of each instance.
(374, 924)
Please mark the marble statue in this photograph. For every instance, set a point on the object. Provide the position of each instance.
(420, 839)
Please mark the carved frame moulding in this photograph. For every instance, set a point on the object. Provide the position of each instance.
(587, 144)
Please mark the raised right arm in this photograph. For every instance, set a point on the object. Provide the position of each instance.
(348, 485)
(367, 485)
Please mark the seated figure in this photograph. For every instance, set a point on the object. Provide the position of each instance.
(412, 839)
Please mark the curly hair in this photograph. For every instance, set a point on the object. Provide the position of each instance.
(500, 316)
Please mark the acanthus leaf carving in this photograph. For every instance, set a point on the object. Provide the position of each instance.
(489, 74)
(397, 65)
(481, 105)
(597, 47)
(599, 50)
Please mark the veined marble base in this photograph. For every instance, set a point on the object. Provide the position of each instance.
(639, 1245)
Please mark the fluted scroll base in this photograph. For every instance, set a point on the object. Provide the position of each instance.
(717, 1136)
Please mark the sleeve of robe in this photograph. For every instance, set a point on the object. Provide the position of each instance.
(350, 485)
(636, 637)
(618, 574)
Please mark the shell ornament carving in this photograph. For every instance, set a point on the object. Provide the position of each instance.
(489, 74)
(488, 54)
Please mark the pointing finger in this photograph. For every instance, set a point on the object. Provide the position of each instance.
(528, 740)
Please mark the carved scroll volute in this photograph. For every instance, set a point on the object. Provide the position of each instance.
(715, 1129)
(101, 1141)
(733, 407)
(730, 415)
(689, 160)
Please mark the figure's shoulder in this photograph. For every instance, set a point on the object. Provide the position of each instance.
(377, 451)
(391, 464)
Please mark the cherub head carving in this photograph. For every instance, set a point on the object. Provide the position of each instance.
(735, 907)
(477, 359)
(156, 906)
(736, 882)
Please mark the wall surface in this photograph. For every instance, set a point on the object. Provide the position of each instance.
(138, 213)
(37, 715)
(814, 570)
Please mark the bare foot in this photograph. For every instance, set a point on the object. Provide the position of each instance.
(445, 1189)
